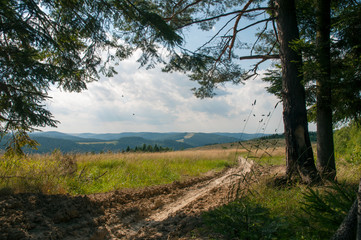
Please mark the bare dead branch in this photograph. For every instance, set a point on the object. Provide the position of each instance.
(255, 68)
(259, 37)
(222, 15)
(177, 4)
(212, 38)
(263, 59)
(255, 23)
(236, 25)
(182, 10)
(273, 46)
(266, 57)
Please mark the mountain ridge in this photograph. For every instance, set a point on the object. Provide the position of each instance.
(117, 142)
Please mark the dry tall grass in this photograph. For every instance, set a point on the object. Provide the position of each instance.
(90, 173)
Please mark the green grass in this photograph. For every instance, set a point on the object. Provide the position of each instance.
(267, 211)
(140, 170)
(85, 174)
(276, 211)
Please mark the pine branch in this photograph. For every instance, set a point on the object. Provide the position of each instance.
(255, 23)
(212, 38)
(265, 57)
(221, 15)
(259, 37)
(236, 25)
(182, 10)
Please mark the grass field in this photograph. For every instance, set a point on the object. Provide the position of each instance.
(92, 173)
(269, 212)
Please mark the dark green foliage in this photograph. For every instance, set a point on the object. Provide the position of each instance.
(149, 148)
(345, 59)
(348, 143)
(326, 209)
(48, 44)
(348, 63)
(128, 149)
(215, 61)
(244, 219)
(128, 144)
(44, 43)
(202, 69)
(15, 144)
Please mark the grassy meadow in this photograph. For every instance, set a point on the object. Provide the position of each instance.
(268, 210)
(93, 173)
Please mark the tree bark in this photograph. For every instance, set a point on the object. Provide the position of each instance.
(347, 229)
(350, 228)
(299, 154)
(325, 147)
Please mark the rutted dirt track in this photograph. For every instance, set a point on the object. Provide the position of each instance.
(163, 212)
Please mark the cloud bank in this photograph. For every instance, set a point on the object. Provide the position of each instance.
(152, 101)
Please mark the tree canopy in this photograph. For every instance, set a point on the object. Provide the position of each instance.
(344, 56)
(61, 43)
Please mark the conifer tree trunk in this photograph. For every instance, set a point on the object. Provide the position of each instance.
(299, 155)
(325, 147)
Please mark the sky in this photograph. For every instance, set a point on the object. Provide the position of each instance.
(140, 100)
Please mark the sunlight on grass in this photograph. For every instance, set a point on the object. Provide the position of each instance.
(133, 170)
(93, 173)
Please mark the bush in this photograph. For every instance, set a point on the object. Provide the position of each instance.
(325, 210)
(244, 219)
(348, 142)
(46, 174)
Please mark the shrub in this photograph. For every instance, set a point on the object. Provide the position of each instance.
(244, 219)
(325, 210)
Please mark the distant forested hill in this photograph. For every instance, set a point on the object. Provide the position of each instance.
(90, 142)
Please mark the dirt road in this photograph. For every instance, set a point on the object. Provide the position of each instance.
(162, 212)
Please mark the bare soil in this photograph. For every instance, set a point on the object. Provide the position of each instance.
(161, 212)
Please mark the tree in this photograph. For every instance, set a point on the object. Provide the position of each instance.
(299, 155)
(210, 66)
(150, 148)
(59, 43)
(331, 70)
(128, 149)
(346, 62)
(325, 147)
(156, 148)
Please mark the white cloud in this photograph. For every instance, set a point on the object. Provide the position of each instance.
(149, 100)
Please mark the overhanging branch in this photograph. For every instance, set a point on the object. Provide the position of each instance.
(264, 57)
(236, 25)
(255, 23)
(182, 10)
(221, 15)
